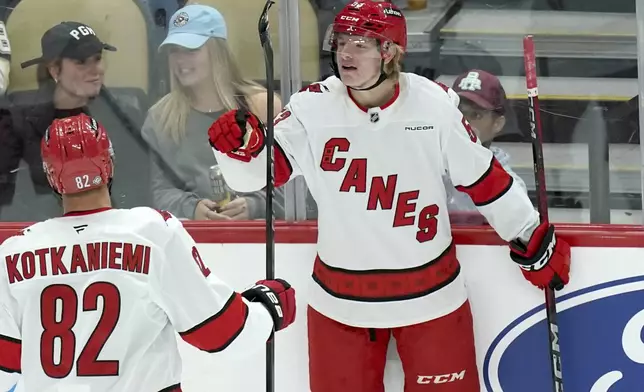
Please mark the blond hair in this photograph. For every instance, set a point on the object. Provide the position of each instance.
(394, 67)
(172, 110)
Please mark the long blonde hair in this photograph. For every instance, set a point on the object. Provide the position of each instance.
(171, 112)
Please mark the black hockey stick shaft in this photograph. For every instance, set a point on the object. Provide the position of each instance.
(265, 39)
(536, 136)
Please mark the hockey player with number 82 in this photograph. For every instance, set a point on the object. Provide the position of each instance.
(373, 143)
(93, 300)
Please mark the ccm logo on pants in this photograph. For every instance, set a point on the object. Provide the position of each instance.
(441, 379)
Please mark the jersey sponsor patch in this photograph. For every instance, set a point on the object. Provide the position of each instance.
(422, 127)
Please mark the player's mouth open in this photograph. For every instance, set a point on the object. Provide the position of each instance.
(348, 68)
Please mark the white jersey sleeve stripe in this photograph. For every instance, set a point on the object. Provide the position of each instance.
(218, 332)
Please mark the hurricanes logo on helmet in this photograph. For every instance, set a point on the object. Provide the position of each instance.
(471, 82)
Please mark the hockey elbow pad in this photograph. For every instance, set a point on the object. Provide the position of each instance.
(238, 134)
(279, 299)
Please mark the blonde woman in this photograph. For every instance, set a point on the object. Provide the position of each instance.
(205, 82)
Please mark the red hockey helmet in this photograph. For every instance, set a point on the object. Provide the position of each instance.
(378, 19)
(77, 155)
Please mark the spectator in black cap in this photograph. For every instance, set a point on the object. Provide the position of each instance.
(70, 78)
(72, 59)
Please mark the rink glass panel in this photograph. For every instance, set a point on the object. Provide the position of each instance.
(587, 74)
(587, 69)
(136, 77)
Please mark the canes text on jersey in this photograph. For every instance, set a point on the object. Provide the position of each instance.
(380, 192)
(80, 258)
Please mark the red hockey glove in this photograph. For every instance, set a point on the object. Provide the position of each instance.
(230, 135)
(279, 298)
(545, 260)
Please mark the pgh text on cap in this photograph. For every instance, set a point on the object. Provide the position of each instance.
(482, 88)
(68, 40)
(192, 25)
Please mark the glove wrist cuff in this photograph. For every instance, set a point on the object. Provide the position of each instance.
(267, 297)
(534, 260)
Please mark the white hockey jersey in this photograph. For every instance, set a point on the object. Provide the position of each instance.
(386, 257)
(93, 302)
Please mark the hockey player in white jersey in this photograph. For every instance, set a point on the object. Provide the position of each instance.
(92, 300)
(373, 143)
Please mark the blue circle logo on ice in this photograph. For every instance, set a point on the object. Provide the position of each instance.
(600, 336)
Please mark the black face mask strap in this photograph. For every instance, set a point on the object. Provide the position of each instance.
(382, 78)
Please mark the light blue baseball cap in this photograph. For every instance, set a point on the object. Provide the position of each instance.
(192, 25)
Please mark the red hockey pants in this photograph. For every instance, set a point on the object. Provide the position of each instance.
(437, 356)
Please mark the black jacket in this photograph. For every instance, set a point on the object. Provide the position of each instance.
(25, 194)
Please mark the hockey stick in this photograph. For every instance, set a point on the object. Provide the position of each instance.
(542, 205)
(265, 40)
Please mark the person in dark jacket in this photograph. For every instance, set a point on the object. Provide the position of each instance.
(70, 76)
